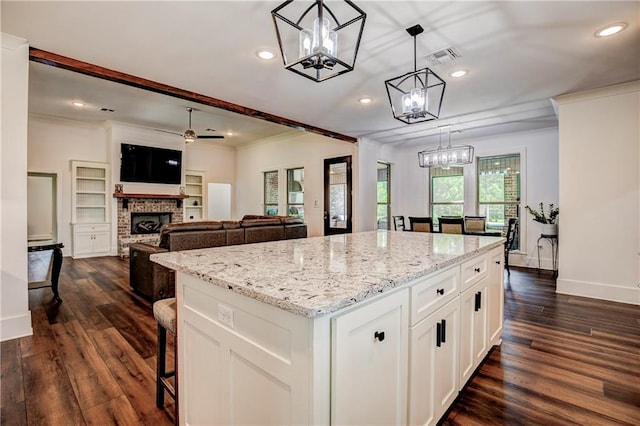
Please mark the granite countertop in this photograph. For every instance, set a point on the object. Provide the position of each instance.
(316, 276)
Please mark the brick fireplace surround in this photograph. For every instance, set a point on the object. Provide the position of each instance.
(143, 205)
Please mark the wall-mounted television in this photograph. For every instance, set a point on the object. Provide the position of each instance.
(148, 164)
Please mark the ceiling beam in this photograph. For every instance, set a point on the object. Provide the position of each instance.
(59, 61)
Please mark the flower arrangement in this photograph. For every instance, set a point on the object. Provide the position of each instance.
(540, 216)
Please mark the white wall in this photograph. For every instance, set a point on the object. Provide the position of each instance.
(53, 143)
(600, 193)
(539, 170)
(296, 149)
(15, 318)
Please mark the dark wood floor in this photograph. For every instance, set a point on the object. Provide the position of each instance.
(91, 360)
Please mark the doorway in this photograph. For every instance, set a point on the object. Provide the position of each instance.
(337, 195)
(41, 206)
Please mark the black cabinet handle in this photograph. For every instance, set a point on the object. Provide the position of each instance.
(497, 262)
(444, 331)
(438, 334)
(379, 335)
(477, 270)
(478, 300)
(440, 291)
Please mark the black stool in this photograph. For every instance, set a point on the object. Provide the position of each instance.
(164, 312)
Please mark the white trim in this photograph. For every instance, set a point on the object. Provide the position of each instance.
(618, 89)
(15, 327)
(601, 291)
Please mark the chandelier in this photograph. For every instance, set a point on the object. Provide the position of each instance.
(448, 156)
(316, 41)
(416, 96)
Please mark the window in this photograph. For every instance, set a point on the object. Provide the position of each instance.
(499, 190)
(383, 214)
(295, 192)
(271, 193)
(447, 192)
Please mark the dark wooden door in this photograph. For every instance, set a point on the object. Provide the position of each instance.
(337, 195)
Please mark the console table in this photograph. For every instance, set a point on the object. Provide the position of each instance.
(553, 239)
(56, 267)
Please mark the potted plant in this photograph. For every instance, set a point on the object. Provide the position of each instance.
(548, 220)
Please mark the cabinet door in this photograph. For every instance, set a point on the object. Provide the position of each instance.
(495, 298)
(369, 363)
(82, 243)
(433, 366)
(101, 242)
(473, 330)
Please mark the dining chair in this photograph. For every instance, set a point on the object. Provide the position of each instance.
(475, 224)
(398, 223)
(512, 235)
(451, 225)
(421, 224)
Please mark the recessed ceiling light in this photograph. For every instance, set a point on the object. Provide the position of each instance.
(610, 29)
(458, 73)
(229, 133)
(266, 54)
(365, 100)
(78, 104)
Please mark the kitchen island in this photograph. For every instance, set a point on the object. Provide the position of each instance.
(366, 328)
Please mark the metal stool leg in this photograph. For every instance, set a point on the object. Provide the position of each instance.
(161, 365)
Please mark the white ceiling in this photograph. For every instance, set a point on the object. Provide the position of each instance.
(518, 54)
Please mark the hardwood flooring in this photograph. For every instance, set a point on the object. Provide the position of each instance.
(91, 360)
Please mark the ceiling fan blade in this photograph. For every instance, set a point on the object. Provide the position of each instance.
(210, 137)
(168, 131)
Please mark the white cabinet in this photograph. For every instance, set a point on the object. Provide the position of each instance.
(495, 298)
(401, 358)
(194, 188)
(90, 209)
(369, 363)
(473, 328)
(433, 366)
(91, 240)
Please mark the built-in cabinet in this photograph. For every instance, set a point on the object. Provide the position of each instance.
(90, 209)
(369, 371)
(495, 298)
(194, 188)
(401, 357)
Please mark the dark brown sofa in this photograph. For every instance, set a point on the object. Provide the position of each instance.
(157, 282)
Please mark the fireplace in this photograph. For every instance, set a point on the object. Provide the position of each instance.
(148, 222)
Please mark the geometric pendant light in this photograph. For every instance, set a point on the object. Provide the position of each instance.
(416, 96)
(317, 41)
(446, 156)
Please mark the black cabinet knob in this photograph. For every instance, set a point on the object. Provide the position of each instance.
(379, 336)
(497, 262)
(477, 270)
(440, 291)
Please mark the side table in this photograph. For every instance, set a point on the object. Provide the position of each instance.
(553, 240)
(57, 263)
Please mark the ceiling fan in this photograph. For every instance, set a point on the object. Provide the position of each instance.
(190, 136)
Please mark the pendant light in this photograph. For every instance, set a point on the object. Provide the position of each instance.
(416, 96)
(448, 156)
(316, 41)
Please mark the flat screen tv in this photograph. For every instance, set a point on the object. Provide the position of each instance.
(150, 165)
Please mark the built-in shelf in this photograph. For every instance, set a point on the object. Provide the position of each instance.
(194, 188)
(126, 196)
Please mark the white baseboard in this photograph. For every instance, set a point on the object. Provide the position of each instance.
(601, 291)
(14, 327)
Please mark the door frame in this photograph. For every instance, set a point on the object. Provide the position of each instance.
(328, 230)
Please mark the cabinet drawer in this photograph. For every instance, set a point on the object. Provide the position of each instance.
(433, 292)
(92, 227)
(474, 270)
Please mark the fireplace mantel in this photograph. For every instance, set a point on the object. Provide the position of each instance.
(126, 196)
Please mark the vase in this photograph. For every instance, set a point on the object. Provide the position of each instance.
(550, 228)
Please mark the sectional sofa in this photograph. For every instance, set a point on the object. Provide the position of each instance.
(156, 282)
